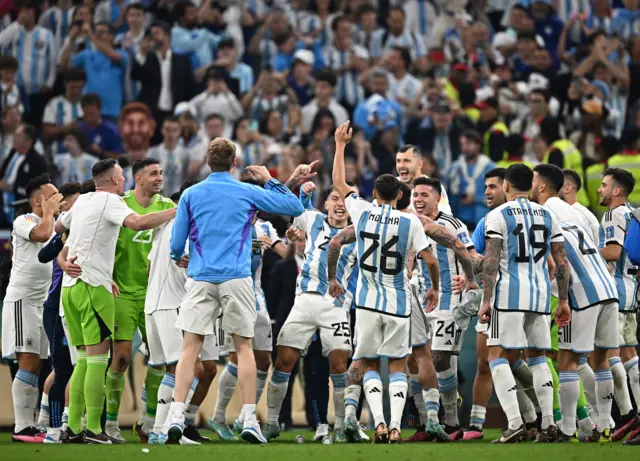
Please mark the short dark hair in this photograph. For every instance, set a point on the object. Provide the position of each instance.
(171, 119)
(164, 25)
(281, 38)
(405, 55)
(520, 176)
(30, 132)
(542, 92)
(80, 135)
(91, 99)
(496, 173)
(8, 62)
(326, 76)
(573, 176)
(473, 136)
(404, 201)
(625, 180)
(387, 187)
(70, 188)
(215, 115)
(142, 163)
(73, 74)
(36, 183)
(551, 174)
(88, 186)
(337, 20)
(175, 197)
(431, 182)
(410, 147)
(397, 8)
(103, 166)
(112, 30)
(136, 6)
(180, 8)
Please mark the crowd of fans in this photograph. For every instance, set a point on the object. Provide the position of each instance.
(472, 83)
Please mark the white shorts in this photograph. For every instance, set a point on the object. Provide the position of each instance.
(482, 328)
(519, 330)
(313, 312)
(73, 352)
(210, 349)
(628, 324)
(596, 325)
(445, 336)
(23, 329)
(262, 339)
(420, 331)
(204, 302)
(381, 335)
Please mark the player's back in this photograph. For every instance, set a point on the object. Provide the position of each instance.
(526, 231)
(385, 239)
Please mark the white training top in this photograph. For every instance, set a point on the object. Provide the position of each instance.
(29, 278)
(94, 223)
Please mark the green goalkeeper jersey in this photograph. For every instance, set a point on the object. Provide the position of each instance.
(130, 271)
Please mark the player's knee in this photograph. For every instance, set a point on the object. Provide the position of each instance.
(198, 370)
(483, 368)
(29, 362)
(338, 362)
(209, 370)
(263, 360)
(441, 360)
(287, 358)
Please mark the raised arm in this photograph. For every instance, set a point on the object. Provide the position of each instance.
(42, 232)
(343, 136)
(275, 197)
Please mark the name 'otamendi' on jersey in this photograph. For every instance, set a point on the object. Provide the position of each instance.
(385, 238)
(526, 232)
(613, 230)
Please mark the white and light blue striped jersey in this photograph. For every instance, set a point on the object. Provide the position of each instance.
(421, 278)
(569, 8)
(260, 105)
(625, 23)
(313, 276)
(58, 21)
(613, 230)
(526, 231)
(348, 87)
(60, 112)
(385, 238)
(303, 21)
(260, 229)
(590, 283)
(36, 52)
(448, 260)
(406, 87)
(345, 272)
(383, 40)
(74, 169)
(421, 17)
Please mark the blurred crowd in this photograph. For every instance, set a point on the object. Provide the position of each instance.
(472, 83)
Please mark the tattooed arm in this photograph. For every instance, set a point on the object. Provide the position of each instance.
(563, 313)
(445, 238)
(344, 237)
(490, 266)
(434, 274)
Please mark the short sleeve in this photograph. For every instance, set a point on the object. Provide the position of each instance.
(494, 226)
(116, 210)
(614, 225)
(478, 237)
(556, 231)
(465, 238)
(301, 222)
(24, 225)
(65, 218)
(420, 240)
(356, 206)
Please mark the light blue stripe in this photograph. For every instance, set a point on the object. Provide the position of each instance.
(35, 37)
(497, 362)
(513, 301)
(371, 375)
(280, 377)
(20, 56)
(628, 366)
(399, 279)
(584, 279)
(233, 370)
(383, 240)
(398, 377)
(351, 402)
(363, 286)
(306, 269)
(533, 274)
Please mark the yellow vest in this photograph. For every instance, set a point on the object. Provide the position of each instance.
(451, 91)
(572, 161)
(497, 126)
(631, 163)
(507, 162)
(590, 185)
(472, 113)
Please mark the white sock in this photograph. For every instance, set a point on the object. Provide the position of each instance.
(261, 381)
(568, 394)
(604, 394)
(143, 406)
(226, 386)
(478, 415)
(249, 414)
(416, 393)
(165, 391)
(44, 416)
(631, 366)
(398, 389)
(275, 395)
(351, 400)
(527, 410)
(431, 399)
(504, 384)
(589, 384)
(620, 390)
(524, 377)
(448, 387)
(192, 390)
(543, 385)
(373, 393)
(190, 414)
(65, 418)
(24, 391)
(453, 361)
(176, 409)
(339, 382)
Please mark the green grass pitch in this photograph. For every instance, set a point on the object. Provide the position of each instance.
(286, 449)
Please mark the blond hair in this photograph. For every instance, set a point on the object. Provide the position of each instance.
(220, 154)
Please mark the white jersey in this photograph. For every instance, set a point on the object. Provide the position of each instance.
(29, 278)
(591, 224)
(613, 230)
(386, 238)
(166, 280)
(448, 260)
(421, 278)
(526, 231)
(591, 283)
(94, 223)
(260, 229)
(313, 276)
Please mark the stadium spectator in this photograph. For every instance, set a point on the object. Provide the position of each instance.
(324, 91)
(10, 94)
(74, 165)
(172, 155)
(58, 18)
(103, 136)
(228, 58)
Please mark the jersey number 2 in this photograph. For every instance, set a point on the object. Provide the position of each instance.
(144, 236)
(386, 253)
